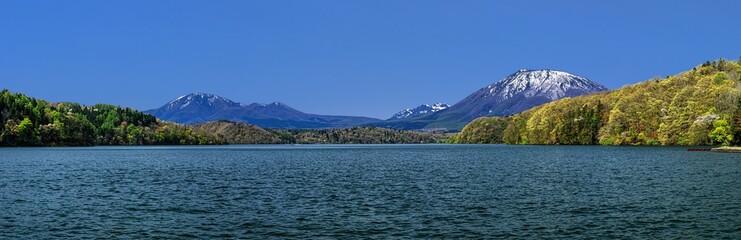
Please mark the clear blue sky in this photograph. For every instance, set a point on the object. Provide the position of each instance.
(369, 58)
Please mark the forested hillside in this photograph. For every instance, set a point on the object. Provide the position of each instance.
(357, 135)
(33, 122)
(242, 133)
(697, 107)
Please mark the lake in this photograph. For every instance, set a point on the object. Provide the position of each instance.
(369, 191)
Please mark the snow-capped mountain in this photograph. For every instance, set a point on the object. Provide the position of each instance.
(515, 93)
(196, 100)
(194, 107)
(201, 107)
(518, 92)
(550, 84)
(420, 111)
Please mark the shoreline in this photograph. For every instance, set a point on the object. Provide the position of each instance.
(727, 149)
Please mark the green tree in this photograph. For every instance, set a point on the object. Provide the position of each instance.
(27, 133)
(721, 132)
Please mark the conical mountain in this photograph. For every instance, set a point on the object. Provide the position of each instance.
(515, 93)
(521, 91)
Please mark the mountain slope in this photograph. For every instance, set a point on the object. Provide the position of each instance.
(421, 110)
(517, 92)
(698, 107)
(199, 107)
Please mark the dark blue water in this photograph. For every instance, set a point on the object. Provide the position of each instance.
(422, 191)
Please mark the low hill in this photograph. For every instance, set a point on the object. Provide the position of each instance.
(697, 107)
(242, 133)
(359, 135)
(239, 133)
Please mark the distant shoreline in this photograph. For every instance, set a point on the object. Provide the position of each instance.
(706, 148)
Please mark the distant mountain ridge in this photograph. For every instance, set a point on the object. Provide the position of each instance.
(197, 108)
(419, 111)
(515, 93)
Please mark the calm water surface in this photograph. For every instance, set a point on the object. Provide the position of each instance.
(380, 191)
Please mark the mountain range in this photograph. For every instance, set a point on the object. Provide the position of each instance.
(203, 107)
(517, 92)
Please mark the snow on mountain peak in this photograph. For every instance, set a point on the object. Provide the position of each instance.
(439, 106)
(552, 84)
(420, 110)
(521, 90)
(199, 99)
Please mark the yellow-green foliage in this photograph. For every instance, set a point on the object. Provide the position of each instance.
(482, 130)
(697, 107)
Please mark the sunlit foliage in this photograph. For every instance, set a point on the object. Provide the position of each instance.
(697, 107)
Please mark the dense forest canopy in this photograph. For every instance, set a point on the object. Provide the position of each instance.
(698, 107)
(33, 122)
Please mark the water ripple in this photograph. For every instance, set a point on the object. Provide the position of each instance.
(376, 192)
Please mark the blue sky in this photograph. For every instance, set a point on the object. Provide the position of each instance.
(369, 58)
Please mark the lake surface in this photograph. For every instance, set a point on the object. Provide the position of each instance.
(369, 191)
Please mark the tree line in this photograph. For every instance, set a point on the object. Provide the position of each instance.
(242, 133)
(357, 135)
